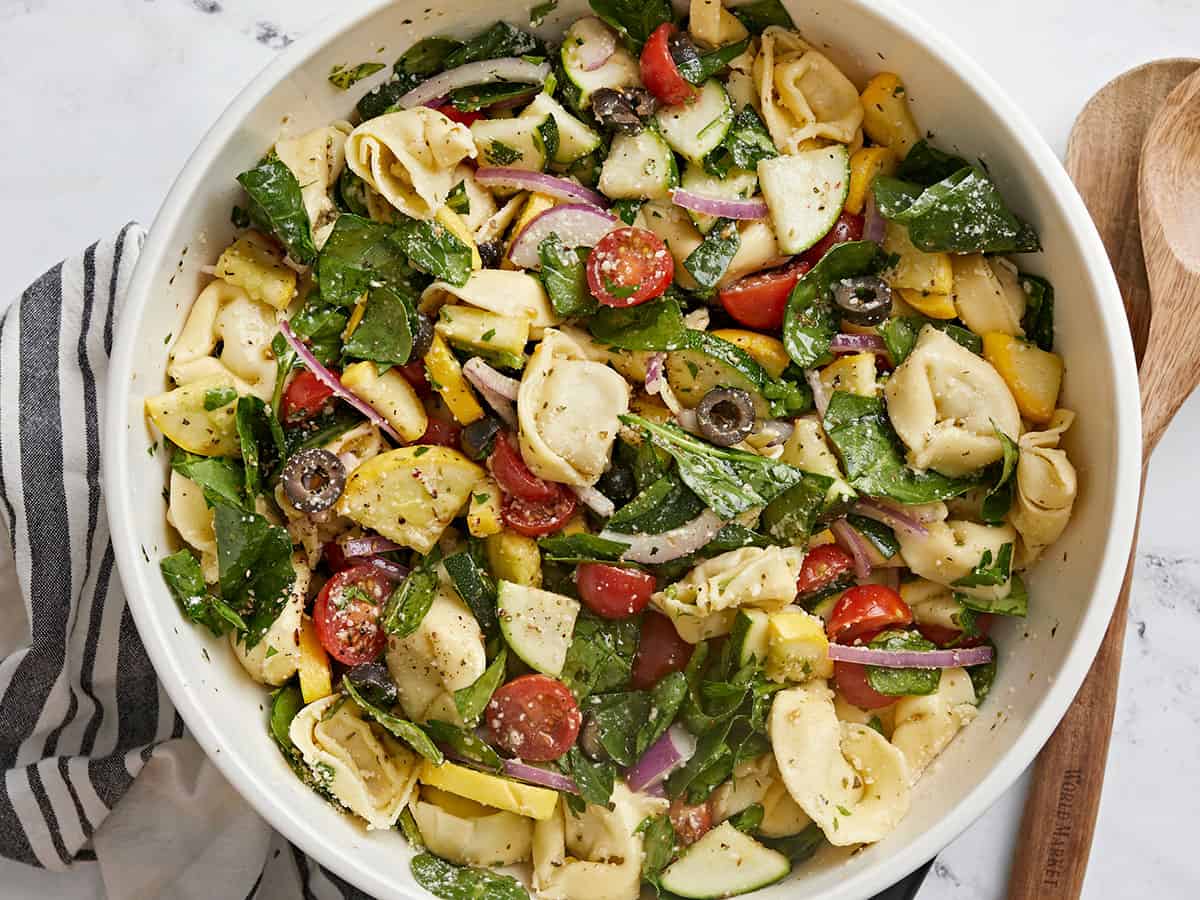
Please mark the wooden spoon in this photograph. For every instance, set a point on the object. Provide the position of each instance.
(1158, 106)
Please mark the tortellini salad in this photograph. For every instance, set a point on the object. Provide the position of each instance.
(612, 451)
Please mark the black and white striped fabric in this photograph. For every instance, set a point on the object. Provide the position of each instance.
(82, 713)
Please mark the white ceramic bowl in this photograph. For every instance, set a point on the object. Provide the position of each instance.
(1042, 660)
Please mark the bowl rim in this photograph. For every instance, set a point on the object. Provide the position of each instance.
(1044, 718)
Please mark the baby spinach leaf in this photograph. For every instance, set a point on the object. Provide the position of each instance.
(433, 249)
(698, 69)
(475, 97)
(733, 536)
(745, 144)
(862, 434)
(399, 728)
(926, 165)
(658, 846)
(577, 548)
(983, 675)
(502, 39)
(410, 830)
(635, 20)
(600, 657)
(626, 210)
(254, 435)
(384, 336)
(1015, 603)
(384, 99)
(987, 574)
(810, 321)
(215, 475)
(451, 882)
(285, 704)
(351, 194)
(276, 207)
(900, 335)
(185, 579)
(876, 534)
(798, 847)
(759, 15)
(617, 719)
(657, 325)
(358, 255)
(708, 262)
(789, 395)
(712, 751)
(999, 497)
(215, 398)
(665, 504)
(476, 587)
(730, 482)
(564, 275)
(538, 14)
(749, 819)
(472, 700)
(409, 602)
(344, 77)
(666, 699)
(594, 779)
(1038, 321)
(426, 57)
(254, 564)
(321, 324)
(465, 744)
(903, 682)
(458, 200)
(792, 516)
(963, 213)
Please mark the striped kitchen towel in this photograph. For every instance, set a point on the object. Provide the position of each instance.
(84, 722)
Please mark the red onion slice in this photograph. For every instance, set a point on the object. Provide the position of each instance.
(576, 224)
(874, 225)
(890, 516)
(497, 390)
(659, 548)
(508, 68)
(594, 500)
(654, 372)
(599, 43)
(911, 659)
(539, 776)
(852, 343)
(663, 757)
(852, 542)
(368, 545)
(715, 206)
(394, 571)
(779, 431)
(820, 395)
(332, 382)
(522, 179)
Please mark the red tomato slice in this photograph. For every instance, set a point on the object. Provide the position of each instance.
(538, 518)
(848, 227)
(690, 822)
(534, 717)
(514, 476)
(614, 592)
(822, 566)
(414, 374)
(629, 266)
(346, 614)
(759, 300)
(334, 557)
(947, 637)
(304, 398)
(866, 609)
(439, 431)
(457, 115)
(851, 682)
(660, 652)
(660, 74)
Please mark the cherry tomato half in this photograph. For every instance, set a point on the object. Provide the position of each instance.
(439, 431)
(822, 566)
(346, 614)
(866, 609)
(851, 681)
(462, 118)
(660, 652)
(534, 717)
(848, 227)
(304, 398)
(690, 822)
(538, 518)
(514, 476)
(759, 300)
(952, 637)
(629, 266)
(414, 374)
(614, 592)
(660, 74)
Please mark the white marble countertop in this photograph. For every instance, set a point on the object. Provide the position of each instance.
(105, 100)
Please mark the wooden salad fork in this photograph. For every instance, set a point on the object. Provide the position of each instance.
(1138, 138)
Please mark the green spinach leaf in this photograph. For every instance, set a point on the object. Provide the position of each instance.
(600, 657)
(321, 324)
(183, 576)
(749, 819)
(987, 573)
(351, 194)
(926, 165)
(798, 847)
(564, 275)
(665, 504)
(698, 69)
(502, 39)
(760, 15)
(254, 565)
(877, 536)
(666, 699)
(475, 586)
(900, 335)
(657, 325)
(982, 676)
(358, 255)
(792, 516)
(595, 780)
(475, 97)
(730, 482)
(399, 728)
(384, 335)
(733, 536)
(862, 434)
(276, 207)
(215, 398)
(1038, 321)
(433, 249)
(635, 20)
(902, 682)
(1015, 603)
(345, 77)
(626, 210)
(472, 700)
(451, 882)
(410, 602)
(659, 846)
(709, 261)
(465, 744)
(257, 439)
(577, 548)
(745, 145)
(998, 499)
(215, 475)
(810, 321)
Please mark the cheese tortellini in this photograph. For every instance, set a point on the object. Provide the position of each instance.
(758, 781)
(361, 766)
(802, 95)
(568, 409)
(244, 328)
(502, 291)
(190, 515)
(317, 159)
(276, 657)
(1046, 487)
(952, 548)
(442, 656)
(945, 403)
(846, 777)
(410, 157)
(595, 855)
(987, 294)
(926, 725)
(469, 833)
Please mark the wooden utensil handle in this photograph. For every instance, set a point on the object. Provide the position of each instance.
(1064, 798)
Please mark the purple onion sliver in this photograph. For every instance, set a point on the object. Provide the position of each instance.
(394, 571)
(850, 343)
(594, 500)
(509, 68)
(576, 224)
(874, 225)
(911, 659)
(852, 542)
(715, 206)
(820, 395)
(664, 756)
(539, 776)
(659, 548)
(893, 518)
(540, 182)
(367, 545)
